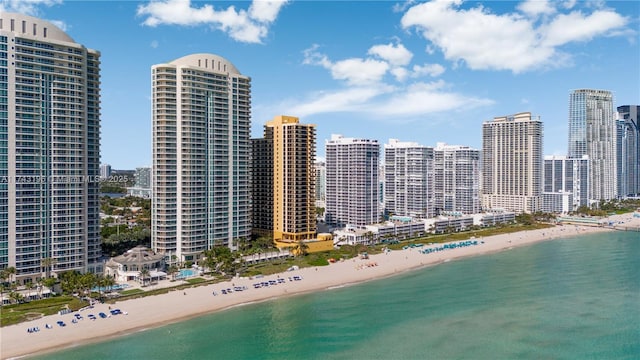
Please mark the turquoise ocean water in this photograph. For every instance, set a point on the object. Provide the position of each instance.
(576, 298)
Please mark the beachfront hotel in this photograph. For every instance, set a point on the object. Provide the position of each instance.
(352, 186)
(628, 150)
(592, 132)
(457, 179)
(284, 180)
(512, 163)
(201, 112)
(49, 150)
(409, 179)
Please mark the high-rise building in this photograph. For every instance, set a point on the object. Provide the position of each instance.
(105, 171)
(564, 175)
(409, 179)
(457, 179)
(201, 109)
(321, 181)
(628, 150)
(142, 177)
(49, 150)
(352, 181)
(592, 132)
(512, 163)
(288, 149)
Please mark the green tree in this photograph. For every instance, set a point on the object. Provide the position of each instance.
(301, 248)
(144, 273)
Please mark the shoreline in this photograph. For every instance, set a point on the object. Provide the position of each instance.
(180, 305)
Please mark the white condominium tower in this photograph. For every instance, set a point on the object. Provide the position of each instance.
(49, 150)
(512, 163)
(201, 109)
(563, 175)
(409, 178)
(352, 181)
(592, 132)
(457, 179)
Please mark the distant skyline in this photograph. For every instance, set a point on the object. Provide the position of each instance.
(424, 72)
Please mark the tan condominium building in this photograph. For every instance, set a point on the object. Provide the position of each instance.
(512, 163)
(201, 156)
(49, 151)
(284, 204)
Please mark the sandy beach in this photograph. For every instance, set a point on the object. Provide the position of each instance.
(179, 305)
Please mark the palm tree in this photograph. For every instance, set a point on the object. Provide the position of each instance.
(47, 264)
(143, 274)
(300, 248)
(172, 270)
(11, 271)
(16, 297)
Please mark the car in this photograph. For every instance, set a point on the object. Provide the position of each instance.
(78, 316)
(115, 312)
(102, 315)
(61, 323)
(91, 317)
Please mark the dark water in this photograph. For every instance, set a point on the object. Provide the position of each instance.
(567, 299)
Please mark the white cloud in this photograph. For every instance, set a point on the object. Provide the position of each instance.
(536, 7)
(345, 100)
(424, 98)
(354, 71)
(400, 73)
(395, 55)
(578, 27)
(30, 7)
(486, 41)
(427, 69)
(359, 71)
(367, 93)
(250, 26)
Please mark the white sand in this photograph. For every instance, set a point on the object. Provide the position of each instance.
(175, 306)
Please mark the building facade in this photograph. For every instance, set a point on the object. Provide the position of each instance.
(201, 197)
(564, 175)
(628, 150)
(352, 181)
(592, 132)
(321, 181)
(105, 171)
(409, 179)
(49, 150)
(512, 163)
(285, 197)
(457, 179)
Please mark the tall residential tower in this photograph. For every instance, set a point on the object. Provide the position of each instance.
(201, 109)
(457, 179)
(49, 150)
(284, 180)
(352, 181)
(628, 150)
(409, 179)
(592, 132)
(512, 163)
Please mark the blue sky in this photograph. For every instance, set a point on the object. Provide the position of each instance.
(415, 71)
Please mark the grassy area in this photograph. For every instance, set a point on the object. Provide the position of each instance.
(14, 314)
(131, 292)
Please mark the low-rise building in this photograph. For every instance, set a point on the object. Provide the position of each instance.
(128, 266)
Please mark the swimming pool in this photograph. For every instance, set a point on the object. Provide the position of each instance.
(115, 287)
(186, 273)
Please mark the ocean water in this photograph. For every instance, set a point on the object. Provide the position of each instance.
(575, 298)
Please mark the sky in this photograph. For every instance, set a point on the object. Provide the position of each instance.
(424, 72)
